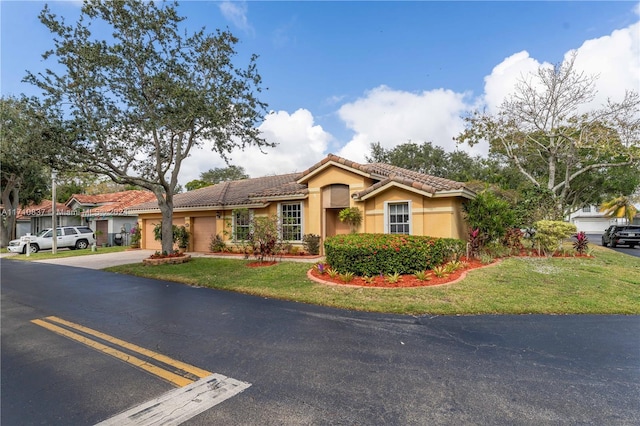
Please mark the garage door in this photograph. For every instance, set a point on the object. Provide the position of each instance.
(149, 224)
(591, 226)
(202, 229)
(102, 232)
(150, 242)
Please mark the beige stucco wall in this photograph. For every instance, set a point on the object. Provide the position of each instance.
(436, 217)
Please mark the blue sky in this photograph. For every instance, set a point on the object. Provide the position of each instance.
(341, 75)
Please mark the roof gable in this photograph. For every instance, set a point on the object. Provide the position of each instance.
(259, 192)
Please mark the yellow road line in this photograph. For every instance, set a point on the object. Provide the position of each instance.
(146, 352)
(164, 374)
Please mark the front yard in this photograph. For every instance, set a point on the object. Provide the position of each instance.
(609, 283)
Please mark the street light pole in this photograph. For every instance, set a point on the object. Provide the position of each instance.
(54, 219)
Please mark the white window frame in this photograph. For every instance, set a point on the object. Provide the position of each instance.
(281, 216)
(234, 228)
(387, 205)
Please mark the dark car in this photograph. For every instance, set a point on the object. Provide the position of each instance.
(621, 235)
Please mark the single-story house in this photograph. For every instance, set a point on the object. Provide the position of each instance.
(591, 220)
(104, 213)
(107, 213)
(39, 217)
(391, 200)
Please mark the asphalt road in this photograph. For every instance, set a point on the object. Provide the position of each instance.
(597, 240)
(307, 365)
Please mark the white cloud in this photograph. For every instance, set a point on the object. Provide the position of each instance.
(614, 58)
(301, 143)
(393, 117)
(504, 77)
(236, 12)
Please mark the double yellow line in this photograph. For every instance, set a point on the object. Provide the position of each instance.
(173, 371)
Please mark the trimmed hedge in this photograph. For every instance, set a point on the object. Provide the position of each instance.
(372, 254)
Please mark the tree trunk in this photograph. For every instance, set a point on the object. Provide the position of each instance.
(11, 201)
(165, 203)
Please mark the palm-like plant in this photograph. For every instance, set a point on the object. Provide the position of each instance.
(620, 207)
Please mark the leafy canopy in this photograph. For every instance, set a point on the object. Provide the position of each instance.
(546, 130)
(140, 99)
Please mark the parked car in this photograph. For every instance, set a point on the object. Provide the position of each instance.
(72, 237)
(621, 235)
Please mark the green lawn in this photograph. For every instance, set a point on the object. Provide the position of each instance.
(609, 283)
(43, 255)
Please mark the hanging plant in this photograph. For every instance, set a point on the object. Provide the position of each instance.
(351, 216)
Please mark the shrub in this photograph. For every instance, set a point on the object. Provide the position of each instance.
(475, 243)
(320, 268)
(550, 233)
(440, 271)
(265, 237)
(369, 280)
(393, 278)
(513, 240)
(346, 277)
(581, 245)
(332, 273)
(422, 275)
(490, 214)
(311, 243)
(372, 254)
(181, 235)
(217, 244)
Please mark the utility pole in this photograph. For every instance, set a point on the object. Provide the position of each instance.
(54, 219)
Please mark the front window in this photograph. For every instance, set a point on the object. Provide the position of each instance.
(241, 225)
(291, 218)
(586, 209)
(398, 221)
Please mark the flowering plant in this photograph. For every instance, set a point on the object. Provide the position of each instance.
(135, 235)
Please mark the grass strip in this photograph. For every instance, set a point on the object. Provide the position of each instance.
(608, 283)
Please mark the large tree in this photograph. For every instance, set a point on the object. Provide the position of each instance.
(543, 129)
(23, 155)
(434, 160)
(148, 92)
(217, 175)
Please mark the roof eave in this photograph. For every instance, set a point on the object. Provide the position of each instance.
(304, 179)
(462, 192)
(392, 184)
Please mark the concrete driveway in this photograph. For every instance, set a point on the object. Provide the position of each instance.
(100, 261)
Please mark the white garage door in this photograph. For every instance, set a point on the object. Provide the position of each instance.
(592, 226)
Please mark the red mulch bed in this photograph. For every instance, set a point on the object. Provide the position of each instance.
(405, 280)
(166, 256)
(412, 281)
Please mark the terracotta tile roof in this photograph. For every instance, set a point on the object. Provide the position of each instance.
(386, 173)
(236, 193)
(419, 181)
(257, 191)
(115, 203)
(42, 209)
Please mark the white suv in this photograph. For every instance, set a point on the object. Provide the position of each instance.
(73, 237)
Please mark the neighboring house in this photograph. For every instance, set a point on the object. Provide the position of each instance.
(39, 217)
(106, 213)
(591, 220)
(391, 199)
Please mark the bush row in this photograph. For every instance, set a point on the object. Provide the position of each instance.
(372, 254)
